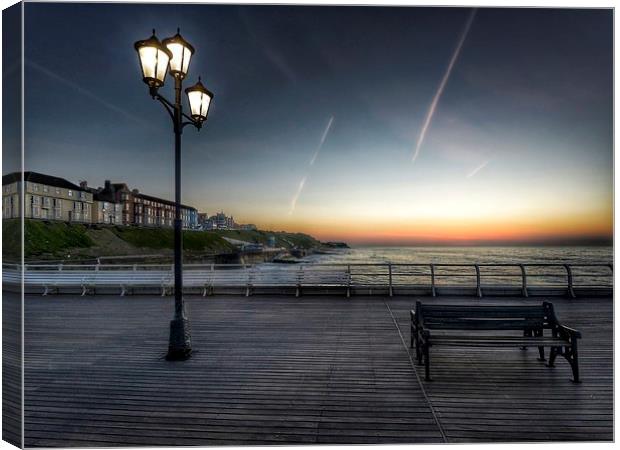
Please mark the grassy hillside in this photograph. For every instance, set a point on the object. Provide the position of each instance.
(163, 238)
(59, 240)
(283, 239)
(42, 238)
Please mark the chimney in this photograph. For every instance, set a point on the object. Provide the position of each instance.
(108, 185)
(83, 184)
(135, 191)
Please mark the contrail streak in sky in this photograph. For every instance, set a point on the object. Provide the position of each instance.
(312, 161)
(87, 93)
(297, 194)
(478, 169)
(442, 85)
(318, 149)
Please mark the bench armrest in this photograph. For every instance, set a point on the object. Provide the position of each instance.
(570, 331)
(414, 320)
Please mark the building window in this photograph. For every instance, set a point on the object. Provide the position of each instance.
(35, 200)
(35, 187)
(70, 192)
(45, 188)
(35, 211)
(58, 191)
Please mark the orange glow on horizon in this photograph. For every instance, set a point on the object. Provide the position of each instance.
(500, 230)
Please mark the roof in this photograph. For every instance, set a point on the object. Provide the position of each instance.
(103, 196)
(35, 177)
(161, 200)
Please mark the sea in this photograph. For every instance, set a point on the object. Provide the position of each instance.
(468, 255)
(361, 260)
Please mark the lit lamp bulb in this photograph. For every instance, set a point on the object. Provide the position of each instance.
(181, 51)
(154, 59)
(199, 101)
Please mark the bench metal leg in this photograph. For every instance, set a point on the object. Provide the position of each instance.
(123, 290)
(553, 353)
(526, 333)
(573, 359)
(541, 349)
(427, 364)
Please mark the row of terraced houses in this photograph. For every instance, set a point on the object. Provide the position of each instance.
(52, 198)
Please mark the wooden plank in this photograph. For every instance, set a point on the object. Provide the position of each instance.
(285, 370)
(267, 370)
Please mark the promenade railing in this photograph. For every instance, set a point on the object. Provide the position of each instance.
(388, 278)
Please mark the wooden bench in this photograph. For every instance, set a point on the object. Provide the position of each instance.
(129, 280)
(272, 277)
(53, 280)
(511, 326)
(324, 277)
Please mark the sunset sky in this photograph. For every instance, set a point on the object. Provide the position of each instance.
(369, 125)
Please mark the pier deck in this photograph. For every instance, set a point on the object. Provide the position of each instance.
(282, 370)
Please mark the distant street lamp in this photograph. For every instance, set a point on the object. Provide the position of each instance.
(156, 59)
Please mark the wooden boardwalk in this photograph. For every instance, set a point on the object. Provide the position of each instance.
(285, 370)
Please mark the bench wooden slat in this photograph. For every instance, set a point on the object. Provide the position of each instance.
(483, 311)
(497, 341)
(482, 324)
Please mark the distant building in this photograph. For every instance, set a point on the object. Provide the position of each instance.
(45, 197)
(271, 241)
(146, 210)
(106, 208)
(221, 221)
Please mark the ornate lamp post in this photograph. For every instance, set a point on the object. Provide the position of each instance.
(156, 59)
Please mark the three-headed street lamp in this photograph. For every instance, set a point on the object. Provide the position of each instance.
(156, 60)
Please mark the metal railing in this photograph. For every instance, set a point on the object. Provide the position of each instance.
(390, 277)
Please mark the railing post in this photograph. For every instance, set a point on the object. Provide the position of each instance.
(478, 288)
(248, 286)
(523, 281)
(300, 276)
(569, 279)
(60, 267)
(348, 280)
(433, 280)
(391, 292)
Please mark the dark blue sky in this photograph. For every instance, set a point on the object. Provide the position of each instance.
(529, 102)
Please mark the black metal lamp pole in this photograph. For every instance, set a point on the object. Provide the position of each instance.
(156, 59)
(180, 344)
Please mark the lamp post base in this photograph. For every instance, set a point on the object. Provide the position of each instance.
(180, 345)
